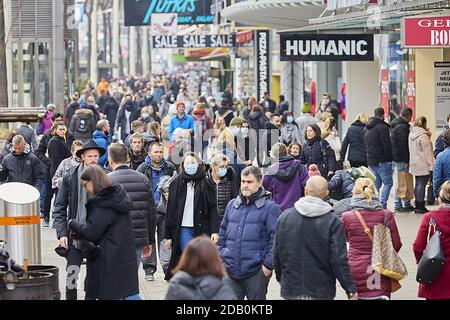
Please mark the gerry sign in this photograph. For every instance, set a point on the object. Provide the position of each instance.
(431, 32)
(194, 41)
(139, 12)
(326, 47)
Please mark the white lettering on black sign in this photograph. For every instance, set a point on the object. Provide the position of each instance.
(262, 62)
(194, 41)
(326, 47)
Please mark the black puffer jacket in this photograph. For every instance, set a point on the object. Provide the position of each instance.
(110, 110)
(399, 137)
(41, 151)
(319, 152)
(342, 182)
(113, 273)
(71, 109)
(354, 140)
(257, 120)
(226, 190)
(25, 168)
(143, 209)
(377, 141)
(185, 287)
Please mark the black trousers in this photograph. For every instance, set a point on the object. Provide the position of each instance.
(357, 164)
(49, 192)
(74, 260)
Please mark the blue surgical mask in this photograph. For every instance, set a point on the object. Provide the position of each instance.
(222, 172)
(290, 119)
(244, 131)
(191, 169)
(235, 131)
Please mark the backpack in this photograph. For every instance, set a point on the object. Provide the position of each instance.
(81, 125)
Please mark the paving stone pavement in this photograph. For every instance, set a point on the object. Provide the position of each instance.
(408, 224)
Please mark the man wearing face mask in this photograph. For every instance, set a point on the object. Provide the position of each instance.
(71, 204)
(127, 114)
(246, 238)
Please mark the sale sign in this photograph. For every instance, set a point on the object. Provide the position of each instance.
(384, 91)
(411, 91)
(429, 32)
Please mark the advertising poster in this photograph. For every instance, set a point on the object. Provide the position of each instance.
(384, 91)
(442, 93)
(411, 91)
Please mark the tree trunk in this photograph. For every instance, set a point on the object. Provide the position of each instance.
(105, 32)
(3, 74)
(110, 37)
(88, 13)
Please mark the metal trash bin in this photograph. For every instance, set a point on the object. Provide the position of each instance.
(38, 286)
(20, 221)
(54, 270)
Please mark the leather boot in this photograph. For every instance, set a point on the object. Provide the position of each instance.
(420, 207)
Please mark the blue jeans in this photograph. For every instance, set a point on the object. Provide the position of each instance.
(383, 174)
(138, 256)
(405, 187)
(186, 235)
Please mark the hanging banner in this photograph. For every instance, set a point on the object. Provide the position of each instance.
(442, 93)
(411, 91)
(313, 97)
(425, 32)
(139, 12)
(384, 91)
(344, 101)
(326, 47)
(194, 41)
(262, 61)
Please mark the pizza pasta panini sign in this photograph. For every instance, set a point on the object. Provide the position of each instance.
(326, 47)
(428, 32)
(139, 12)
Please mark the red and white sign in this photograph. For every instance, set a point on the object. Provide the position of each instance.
(431, 32)
(384, 91)
(244, 36)
(411, 91)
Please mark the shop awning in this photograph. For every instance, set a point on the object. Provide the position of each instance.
(373, 19)
(275, 14)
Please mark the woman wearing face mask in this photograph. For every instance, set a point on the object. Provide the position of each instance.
(191, 209)
(148, 115)
(289, 129)
(224, 177)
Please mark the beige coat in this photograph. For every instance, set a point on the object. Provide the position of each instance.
(421, 160)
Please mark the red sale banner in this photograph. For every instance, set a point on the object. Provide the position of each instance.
(411, 91)
(384, 91)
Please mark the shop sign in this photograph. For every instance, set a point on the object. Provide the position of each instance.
(262, 62)
(139, 12)
(326, 47)
(429, 32)
(384, 91)
(244, 37)
(442, 93)
(411, 91)
(194, 41)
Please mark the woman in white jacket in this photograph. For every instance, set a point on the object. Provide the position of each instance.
(421, 160)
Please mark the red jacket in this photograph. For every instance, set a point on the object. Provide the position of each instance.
(440, 288)
(360, 251)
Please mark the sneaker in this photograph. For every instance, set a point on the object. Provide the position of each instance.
(149, 276)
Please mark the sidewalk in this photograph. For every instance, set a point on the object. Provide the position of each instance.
(408, 224)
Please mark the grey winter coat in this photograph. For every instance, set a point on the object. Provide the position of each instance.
(25, 168)
(183, 286)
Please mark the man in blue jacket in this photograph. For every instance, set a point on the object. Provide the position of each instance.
(181, 120)
(442, 167)
(102, 139)
(246, 237)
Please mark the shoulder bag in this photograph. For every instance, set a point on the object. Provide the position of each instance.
(432, 261)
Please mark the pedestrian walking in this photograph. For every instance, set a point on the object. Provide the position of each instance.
(305, 120)
(246, 237)
(309, 252)
(82, 125)
(136, 151)
(378, 145)
(365, 202)
(439, 289)
(102, 139)
(440, 145)
(289, 132)
(286, 178)
(66, 165)
(294, 150)
(182, 120)
(442, 167)
(421, 160)
(112, 273)
(198, 275)
(354, 142)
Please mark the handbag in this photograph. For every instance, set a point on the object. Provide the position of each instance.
(432, 261)
(430, 193)
(385, 260)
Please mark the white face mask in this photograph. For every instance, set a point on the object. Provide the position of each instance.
(235, 131)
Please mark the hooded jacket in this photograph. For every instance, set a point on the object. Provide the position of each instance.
(310, 253)
(440, 287)
(257, 120)
(143, 208)
(343, 183)
(421, 159)
(71, 109)
(247, 233)
(286, 180)
(103, 141)
(58, 150)
(354, 141)
(86, 115)
(319, 152)
(183, 286)
(360, 246)
(399, 137)
(441, 170)
(25, 168)
(121, 121)
(113, 273)
(377, 141)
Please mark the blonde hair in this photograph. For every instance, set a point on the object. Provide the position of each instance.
(227, 136)
(328, 126)
(362, 117)
(421, 122)
(366, 187)
(444, 193)
(325, 115)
